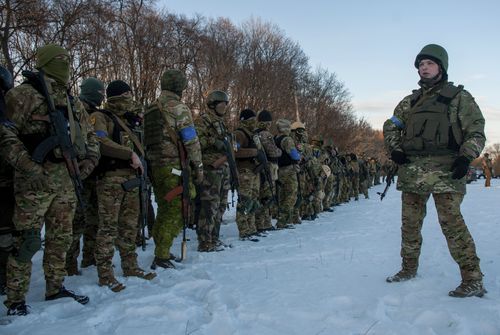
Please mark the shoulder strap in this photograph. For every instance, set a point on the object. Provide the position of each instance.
(129, 132)
(415, 96)
(449, 92)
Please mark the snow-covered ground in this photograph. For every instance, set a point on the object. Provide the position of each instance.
(325, 277)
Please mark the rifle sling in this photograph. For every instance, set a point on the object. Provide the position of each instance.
(129, 132)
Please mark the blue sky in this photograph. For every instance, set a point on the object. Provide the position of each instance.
(371, 45)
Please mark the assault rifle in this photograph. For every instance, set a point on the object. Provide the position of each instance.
(234, 180)
(264, 165)
(60, 136)
(143, 183)
(388, 179)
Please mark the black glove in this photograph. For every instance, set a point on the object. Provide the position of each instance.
(460, 167)
(399, 157)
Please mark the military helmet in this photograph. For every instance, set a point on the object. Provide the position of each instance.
(173, 80)
(436, 53)
(215, 97)
(6, 80)
(298, 125)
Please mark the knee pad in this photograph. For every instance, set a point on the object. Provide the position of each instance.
(31, 243)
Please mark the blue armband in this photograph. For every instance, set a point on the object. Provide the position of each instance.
(188, 134)
(295, 154)
(101, 133)
(238, 146)
(397, 122)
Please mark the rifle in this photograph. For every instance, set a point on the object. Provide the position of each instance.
(264, 165)
(60, 137)
(235, 184)
(388, 180)
(142, 181)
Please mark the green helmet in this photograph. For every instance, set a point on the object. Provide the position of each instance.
(174, 81)
(434, 52)
(215, 97)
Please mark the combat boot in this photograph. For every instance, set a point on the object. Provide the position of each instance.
(72, 268)
(64, 293)
(18, 308)
(284, 226)
(113, 284)
(469, 288)
(408, 271)
(162, 262)
(139, 273)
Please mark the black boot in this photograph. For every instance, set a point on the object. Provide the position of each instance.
(18, 308)
(64, 293)
(162, 262)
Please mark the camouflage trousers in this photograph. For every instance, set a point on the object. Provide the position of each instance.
(363, 187)
(7, 203)
(287, 195)
(118, 212)
(263, 214)
(354, 186)
(302, 192)
(460, 242)
(212, 195)
(55, 207)
(85, 224)
(329, 192)
(248, 202)
(169, 221)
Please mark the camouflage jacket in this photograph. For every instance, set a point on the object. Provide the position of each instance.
(28, 111)
(211, 128)
(432, 173)
(169, 112)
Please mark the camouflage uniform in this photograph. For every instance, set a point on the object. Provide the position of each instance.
(267, 191)
(118, 209)
(434, 134)
(212, 132)
(50, 198)
(487, 167)
(249, 179)
(86, 223)
(166, 116)
(287, 174)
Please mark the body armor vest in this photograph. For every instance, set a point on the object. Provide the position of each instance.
(428, 129)
(284, 159)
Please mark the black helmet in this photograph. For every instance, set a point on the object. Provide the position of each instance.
(6, 80)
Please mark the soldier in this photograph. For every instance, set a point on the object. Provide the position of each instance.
(487, 169)
(86, 223)
(168, 129)
(7, 201)
(45, 191)
(268, 174)
(118, 209)
(287, 174)
(215, 142)
(433, 149)
(249, 181)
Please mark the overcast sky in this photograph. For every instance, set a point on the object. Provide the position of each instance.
(371, 45)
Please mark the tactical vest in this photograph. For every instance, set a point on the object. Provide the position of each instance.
(428, 129)
(250, 144)
(284, 159)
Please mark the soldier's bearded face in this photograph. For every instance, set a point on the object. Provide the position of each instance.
(428, 69)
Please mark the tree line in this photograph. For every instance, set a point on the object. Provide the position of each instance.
(255, 62)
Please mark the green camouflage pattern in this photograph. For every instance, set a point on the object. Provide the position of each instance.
(426, 173)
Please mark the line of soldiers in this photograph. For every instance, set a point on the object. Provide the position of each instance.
(85, 171)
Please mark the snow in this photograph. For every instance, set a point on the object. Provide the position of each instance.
(324, 277)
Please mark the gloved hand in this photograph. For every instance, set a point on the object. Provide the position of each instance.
(37, 179)
(86, 167)
(399, 157)
(198, 176)
(460, 167)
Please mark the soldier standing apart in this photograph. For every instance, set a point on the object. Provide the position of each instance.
(168, 128)
(287, 174)
(487, 169)
(212, 133)
(118, 209)
(249, 181)
(86, 223)
(7, 201)
(433, 149)
(44, 191)
(266, 190)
